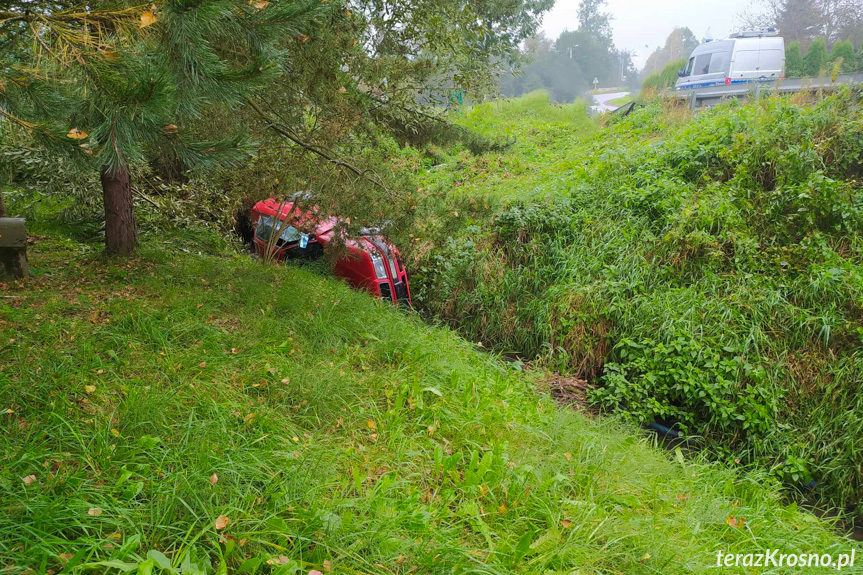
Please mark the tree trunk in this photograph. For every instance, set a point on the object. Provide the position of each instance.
(3, 212)
(121, 233)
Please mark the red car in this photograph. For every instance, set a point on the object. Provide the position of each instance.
(371, 262)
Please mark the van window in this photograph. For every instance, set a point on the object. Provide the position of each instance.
(702, 65)
(746, 61)
(719, 62)
(688, 70)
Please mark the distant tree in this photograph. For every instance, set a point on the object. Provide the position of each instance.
(592, 19)
(845, 51)
(679, 44)
(815, 59)
(793, 60)
(859, 67)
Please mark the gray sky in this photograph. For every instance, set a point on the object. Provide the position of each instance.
(640, 22)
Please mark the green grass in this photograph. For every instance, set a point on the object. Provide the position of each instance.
(705, 271)
(144, 399)
(620, 101)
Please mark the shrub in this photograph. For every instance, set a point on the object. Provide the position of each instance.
(843, 54)
(793, 60)
(815, 59)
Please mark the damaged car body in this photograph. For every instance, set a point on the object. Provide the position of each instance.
(369, 262)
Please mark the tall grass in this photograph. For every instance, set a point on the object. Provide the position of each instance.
(215, 415)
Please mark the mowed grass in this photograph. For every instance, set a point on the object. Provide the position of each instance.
(223, 416)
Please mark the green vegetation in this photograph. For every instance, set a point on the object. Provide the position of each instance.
(667, 78)
(216, 414)
(620, 101)
(701, 271)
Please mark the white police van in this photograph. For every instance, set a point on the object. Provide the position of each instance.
(757, 56)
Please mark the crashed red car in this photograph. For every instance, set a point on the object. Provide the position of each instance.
(370, 262)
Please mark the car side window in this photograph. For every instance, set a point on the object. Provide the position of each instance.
(702, 64)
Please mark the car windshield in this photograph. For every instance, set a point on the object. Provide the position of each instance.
(265, 230)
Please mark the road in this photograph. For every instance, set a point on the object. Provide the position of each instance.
(602, 100)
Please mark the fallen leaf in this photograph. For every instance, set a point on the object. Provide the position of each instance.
(736, 522)
(29, 480)
(148, 18)
(315, 572)
(214, 479)
(372, 425)
(94, 511)
(221, 522)
(303, 38)
(342, 90)
(568, 456)
(286, 380)
(115, 433)
(683, 497)
(644, 558)
(328, 566)
(170, 130)
(66, 556)
(565, 523)
(259, 4)
(280, 560)
(202, 364)
(76, 134)
(90, 388)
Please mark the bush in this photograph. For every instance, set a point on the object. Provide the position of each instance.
(843, 54)
(815, 59)
(667, 78)
(793, 60)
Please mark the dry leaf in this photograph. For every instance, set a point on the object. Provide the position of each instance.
(644, 558)
(170, 130)
(66, 556)
(568, 456)
(372, 425)
(328, 566)
(148, 18)
(315, 572)
(115, 433)
(259, 4)
(342, 90)
(303, 38)
(221, 522)
(29, 480)
(202, 364)
(90, 388)
(280, 560)
(94, 511)
(565, 523)
(736, 522)
(214, 479)
(76, 134)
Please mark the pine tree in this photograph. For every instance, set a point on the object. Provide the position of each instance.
(115, 84)
(815, 59)
(793, 60)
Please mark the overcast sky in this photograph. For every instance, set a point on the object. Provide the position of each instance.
(640, 22)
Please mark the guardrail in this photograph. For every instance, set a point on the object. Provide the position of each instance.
(700, 97)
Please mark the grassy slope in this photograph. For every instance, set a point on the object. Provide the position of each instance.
(715, 261)
(147, 398)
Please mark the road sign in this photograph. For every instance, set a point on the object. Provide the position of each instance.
(595, 83)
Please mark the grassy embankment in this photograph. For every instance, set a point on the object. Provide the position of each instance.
(702, 271)
(224, 416)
